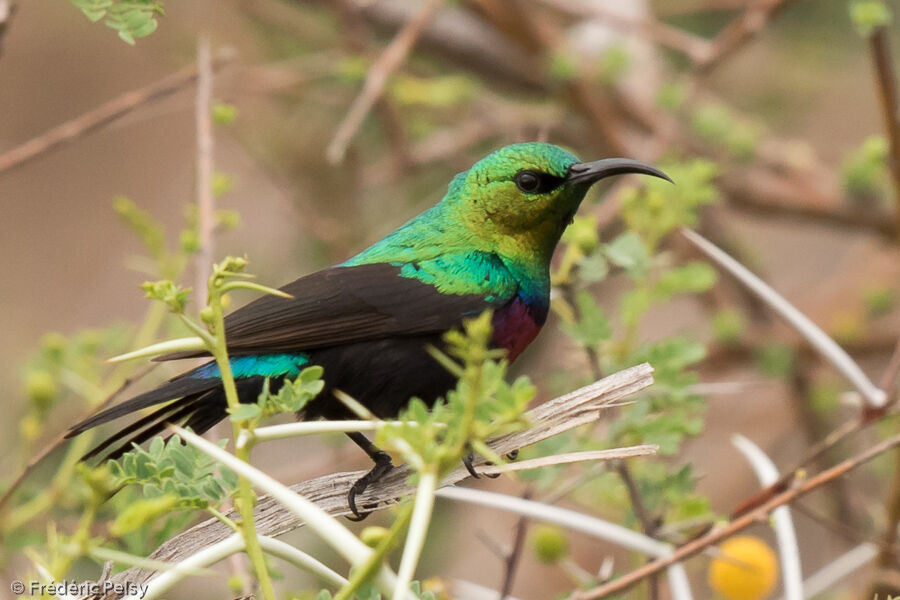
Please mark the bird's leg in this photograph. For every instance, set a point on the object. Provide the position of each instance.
(383, 466)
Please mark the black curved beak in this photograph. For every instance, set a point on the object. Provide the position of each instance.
(588, 173)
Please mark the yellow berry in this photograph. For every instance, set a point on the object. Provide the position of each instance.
(746, 569)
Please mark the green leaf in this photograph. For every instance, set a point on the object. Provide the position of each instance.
(141, 512)
(627, 251)
(244, 412)
(694, 277)
(593, 326)
(868, 15)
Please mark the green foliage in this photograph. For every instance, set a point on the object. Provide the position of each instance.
(434, 92)
(864, 172)
(369, 592)
(728, 325)
(660, 207)
(131, 19)
(868, 15)
(224, 113)
(593, 326)
(880, 300)
(671, 95)
(169, 293)
(292, 397)
(715, 124)
(183, 475)
(628, 252)
(776, 360)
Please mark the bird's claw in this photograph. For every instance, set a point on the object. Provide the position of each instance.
(383, 466)
(467, 462)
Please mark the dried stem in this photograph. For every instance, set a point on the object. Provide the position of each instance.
(886, 79)
(717, 535)
(105, 114)
(377, 78)
(205, 201)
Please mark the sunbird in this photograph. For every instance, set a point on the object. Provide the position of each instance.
(487, 245)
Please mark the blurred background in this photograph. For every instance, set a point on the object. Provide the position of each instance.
(779, 100)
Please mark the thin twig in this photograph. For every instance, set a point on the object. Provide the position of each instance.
(738, 32)
(511, 560)
(886, 80)
(377, 78)
(205, 201)
(105, 114)
(551, 418)
(717, 535)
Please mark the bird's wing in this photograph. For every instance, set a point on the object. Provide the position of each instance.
(342, 305)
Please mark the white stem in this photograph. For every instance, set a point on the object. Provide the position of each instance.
(571, 457)
(301, 559)
(576, 521)
(418, 528)
(825, 578)
(204, 558)
(176, 345)
(288, 430)
(788, 550)
(817, 338)
(336, 535)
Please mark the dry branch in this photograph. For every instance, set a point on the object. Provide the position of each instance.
(105, 114)
(688, 550)
(377, 78)
(886, 80)
(551, 418)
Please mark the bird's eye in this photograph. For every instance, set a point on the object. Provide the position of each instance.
(532, 182)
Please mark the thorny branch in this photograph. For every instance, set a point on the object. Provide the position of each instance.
(886, 80)
(801, 488)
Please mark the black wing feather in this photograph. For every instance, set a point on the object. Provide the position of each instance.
(343, 305)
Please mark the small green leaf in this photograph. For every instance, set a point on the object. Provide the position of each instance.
(627, 251)
(244, 412)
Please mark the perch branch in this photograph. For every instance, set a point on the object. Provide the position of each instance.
(105, 114)
(551, 418)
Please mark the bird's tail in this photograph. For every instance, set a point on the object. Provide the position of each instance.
(195, 402)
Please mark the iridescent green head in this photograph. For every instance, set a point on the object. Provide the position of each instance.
(524, 195)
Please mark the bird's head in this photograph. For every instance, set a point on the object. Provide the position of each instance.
(531, 189)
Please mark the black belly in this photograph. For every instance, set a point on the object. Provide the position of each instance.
(381, 374)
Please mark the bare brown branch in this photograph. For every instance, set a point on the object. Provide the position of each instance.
(377, 78)
(886, 80)
(105, 114)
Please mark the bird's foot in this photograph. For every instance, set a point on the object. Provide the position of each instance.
(467, 461)
(383, 466)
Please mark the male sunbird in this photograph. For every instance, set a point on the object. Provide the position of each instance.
(486, 245)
